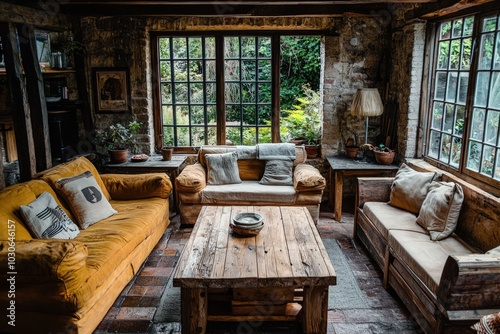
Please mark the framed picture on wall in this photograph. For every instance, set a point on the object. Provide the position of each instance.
(111, 90)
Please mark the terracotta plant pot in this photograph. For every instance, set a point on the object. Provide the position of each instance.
(351, 151)
(312, 151)
(297, 142)
(118, 156)
(166, 153)
(385, 157)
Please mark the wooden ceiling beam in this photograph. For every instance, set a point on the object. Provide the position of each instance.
(50, 19)
(445, 8)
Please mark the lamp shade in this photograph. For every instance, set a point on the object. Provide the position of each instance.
(367, 102)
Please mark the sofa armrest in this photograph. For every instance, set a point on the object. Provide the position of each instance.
(308, 178)
(373, 189)
(192, 179)
(470, 282)
(137, 186)
(57, 265)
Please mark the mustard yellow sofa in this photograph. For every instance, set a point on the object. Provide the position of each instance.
(194, 192)
(67, 286)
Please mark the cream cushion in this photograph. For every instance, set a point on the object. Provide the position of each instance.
(410, 188)
(46, 219)
(85, 198)
(440, 209)
(222, 168)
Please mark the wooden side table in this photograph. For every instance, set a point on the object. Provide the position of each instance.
(341, 167)
(154, 164)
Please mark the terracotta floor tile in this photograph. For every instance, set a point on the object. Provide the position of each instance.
(136, 313)
(158, 271)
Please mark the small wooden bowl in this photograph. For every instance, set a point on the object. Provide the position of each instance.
(246, 232)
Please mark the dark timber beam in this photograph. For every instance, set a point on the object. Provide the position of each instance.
(444, 8)
(36, 97)
(48, 18)
(19, 101)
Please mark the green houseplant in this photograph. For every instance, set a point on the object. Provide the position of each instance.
(302, 124)
(117, 140)
(384, 155)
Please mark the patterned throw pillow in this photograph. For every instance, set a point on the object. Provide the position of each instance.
(489, 324)
(85, 198)
(46, 219)
(223, 168)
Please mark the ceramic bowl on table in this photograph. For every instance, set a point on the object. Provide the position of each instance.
(247, 224)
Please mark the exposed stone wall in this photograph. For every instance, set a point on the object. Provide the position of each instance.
(406, 84)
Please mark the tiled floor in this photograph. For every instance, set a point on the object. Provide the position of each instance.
(134, 310)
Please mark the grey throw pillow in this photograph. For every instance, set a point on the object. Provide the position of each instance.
(440, 209)
(222, 168)
(46, 219)
(278, 172)
(85, 198)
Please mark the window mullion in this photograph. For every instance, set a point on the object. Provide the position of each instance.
(220, 95)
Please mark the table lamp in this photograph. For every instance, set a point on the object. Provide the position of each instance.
(367, 102)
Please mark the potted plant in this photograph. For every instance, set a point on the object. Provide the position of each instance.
(351, 149)
(67, 48)
(117, 139)
(302, 124)
(384, 155)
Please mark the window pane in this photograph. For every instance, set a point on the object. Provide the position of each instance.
(195, 48)
(482, 89)
(197, 93)
(179, 48)
(463, 84)
(469, 25)
(456, 51)
(474, 156)
(437, 115)
(264, 47)
(248, 93)
(448, 117)
(466, 54)
(486, 51)
(181, 93)
(455, 151)
(496, 173)
(443, 55)
(264, 70)
(180, 70)
(477, 128)
(195, 70)
(166, 93)
(248, 70)
(495, 91)
(445, 148)
(489, 23)
(234, 135)
(440, 85)
(233, 115)
(459, 121)
(164, 48)
(264, 114)
(210, 70)
(212, 114)
(445, 30)
(249, 115)
(210, 47)
(168, 115)
(232, 70)
(488, 160)
(249, 136)
(165, 71)
(232, 92)
(496, 59)
(457, 28)
(492, 127)
(197, 115)
(451, 89)
(182, 115)
(434, 144)
(211, 92)
(265, 135)
(248, 47)
(183, 136)
(232, 47)
(264, 93)
(198, 136)
(168, 136)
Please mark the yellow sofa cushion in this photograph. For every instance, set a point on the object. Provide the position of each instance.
(193, 179)
(308, 178)
(51, 274)
(72, 168)
(22, 194)
(127, 187)
(111, 240)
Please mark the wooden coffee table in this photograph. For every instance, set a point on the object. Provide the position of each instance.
(282, 274)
